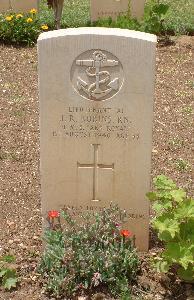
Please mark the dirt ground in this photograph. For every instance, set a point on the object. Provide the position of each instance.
(20, 225)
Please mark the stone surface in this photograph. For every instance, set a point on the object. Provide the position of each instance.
(113, 8)
(18, 5)
(4, 5)
(23, 5)
(96, 90)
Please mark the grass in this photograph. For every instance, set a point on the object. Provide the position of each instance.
(176, 143)
(180, 17)
(76, 13)
(187, 110)
(182, 165)
(190, 83)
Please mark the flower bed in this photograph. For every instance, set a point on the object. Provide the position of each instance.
(21, 28)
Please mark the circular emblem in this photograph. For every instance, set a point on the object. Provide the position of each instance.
(97, 75)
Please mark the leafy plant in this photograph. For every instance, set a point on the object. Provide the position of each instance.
(154, 17)
(152, 21)
(8, 275)
(88, 251)
(174, 223)
(122, 21)
(21, 28)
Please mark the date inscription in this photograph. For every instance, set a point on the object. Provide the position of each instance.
(82, 122)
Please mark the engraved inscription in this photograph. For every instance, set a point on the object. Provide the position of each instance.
(91, 122)
(130, 214)
(95, 166)
(110, 13)
(97, 75)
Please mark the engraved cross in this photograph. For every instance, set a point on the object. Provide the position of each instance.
(95, 166)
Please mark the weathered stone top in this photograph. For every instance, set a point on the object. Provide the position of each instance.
(99, 31)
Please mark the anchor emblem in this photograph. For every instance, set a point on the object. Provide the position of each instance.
(102, 85)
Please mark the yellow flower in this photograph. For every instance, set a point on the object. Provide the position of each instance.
(9, 18)
(33, 11)
(19, 16)
(44, 27)
(29, 20)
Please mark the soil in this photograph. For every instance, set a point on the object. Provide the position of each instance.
(20, 224)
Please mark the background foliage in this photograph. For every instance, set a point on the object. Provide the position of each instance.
(161, 17)
(21, 28)
(174, 223)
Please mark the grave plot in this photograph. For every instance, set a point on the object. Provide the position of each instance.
(114, 8)
(96, 121)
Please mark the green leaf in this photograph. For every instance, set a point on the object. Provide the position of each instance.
(166, 223)
(165, 236)
(178, 195)
(10, 283)
(186, 259)
(3, 272)
(186, 231)
(167, 204)
(157, 207)
(161, 9)
(162, 266)
(151, 196)
(8, 258)
(162, 182)
(185, 209)
(188, 274)
(178, 253)
(86, 284)
(10, 273)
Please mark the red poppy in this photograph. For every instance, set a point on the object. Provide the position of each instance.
(126, 233)
(53, 214)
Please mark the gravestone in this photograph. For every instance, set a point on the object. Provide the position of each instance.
(24, 5)
(18, 5)
(113, 8)
(4, 5)
(96, 90)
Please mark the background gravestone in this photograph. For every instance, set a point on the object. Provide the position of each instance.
(18, 5)
(24, 5)
(4, 5)
(113, 8)
(96, 104)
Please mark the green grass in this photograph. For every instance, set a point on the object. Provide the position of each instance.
(180, 17)
(182, 165)
(178, 20)
(76, 13)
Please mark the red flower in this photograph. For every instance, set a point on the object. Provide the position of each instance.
(126, 233)
(53, 214)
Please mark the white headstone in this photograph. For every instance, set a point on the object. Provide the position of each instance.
(4, 5)
(96, 104)
(24, 5)
(113, 8)
(18, 5)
